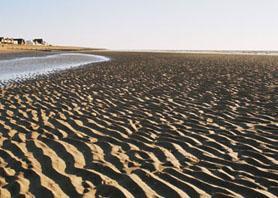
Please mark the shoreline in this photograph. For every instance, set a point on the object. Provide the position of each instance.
(4, 48)
(11, 48)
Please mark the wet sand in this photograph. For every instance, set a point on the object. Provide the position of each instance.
(144, 125)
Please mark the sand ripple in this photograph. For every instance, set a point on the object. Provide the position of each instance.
(144, 125)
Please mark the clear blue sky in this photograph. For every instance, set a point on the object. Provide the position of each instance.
(145, 24)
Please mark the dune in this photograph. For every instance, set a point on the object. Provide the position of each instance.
(143, 125)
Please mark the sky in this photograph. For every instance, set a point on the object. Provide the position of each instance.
(145, 24)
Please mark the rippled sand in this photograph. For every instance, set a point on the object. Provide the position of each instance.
(144, 125)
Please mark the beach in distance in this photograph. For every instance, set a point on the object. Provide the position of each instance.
(141, 124)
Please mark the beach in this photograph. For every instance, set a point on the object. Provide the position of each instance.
(143, 125)
(14, 48)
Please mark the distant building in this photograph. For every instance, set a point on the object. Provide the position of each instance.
(19, 41)
(39, 41)
(8, 41)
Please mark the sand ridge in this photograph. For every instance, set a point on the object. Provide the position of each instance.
(143, 125)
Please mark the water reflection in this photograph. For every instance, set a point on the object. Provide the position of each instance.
(21, 68)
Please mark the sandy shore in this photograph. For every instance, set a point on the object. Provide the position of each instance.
(144, 125)
(9, 49)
